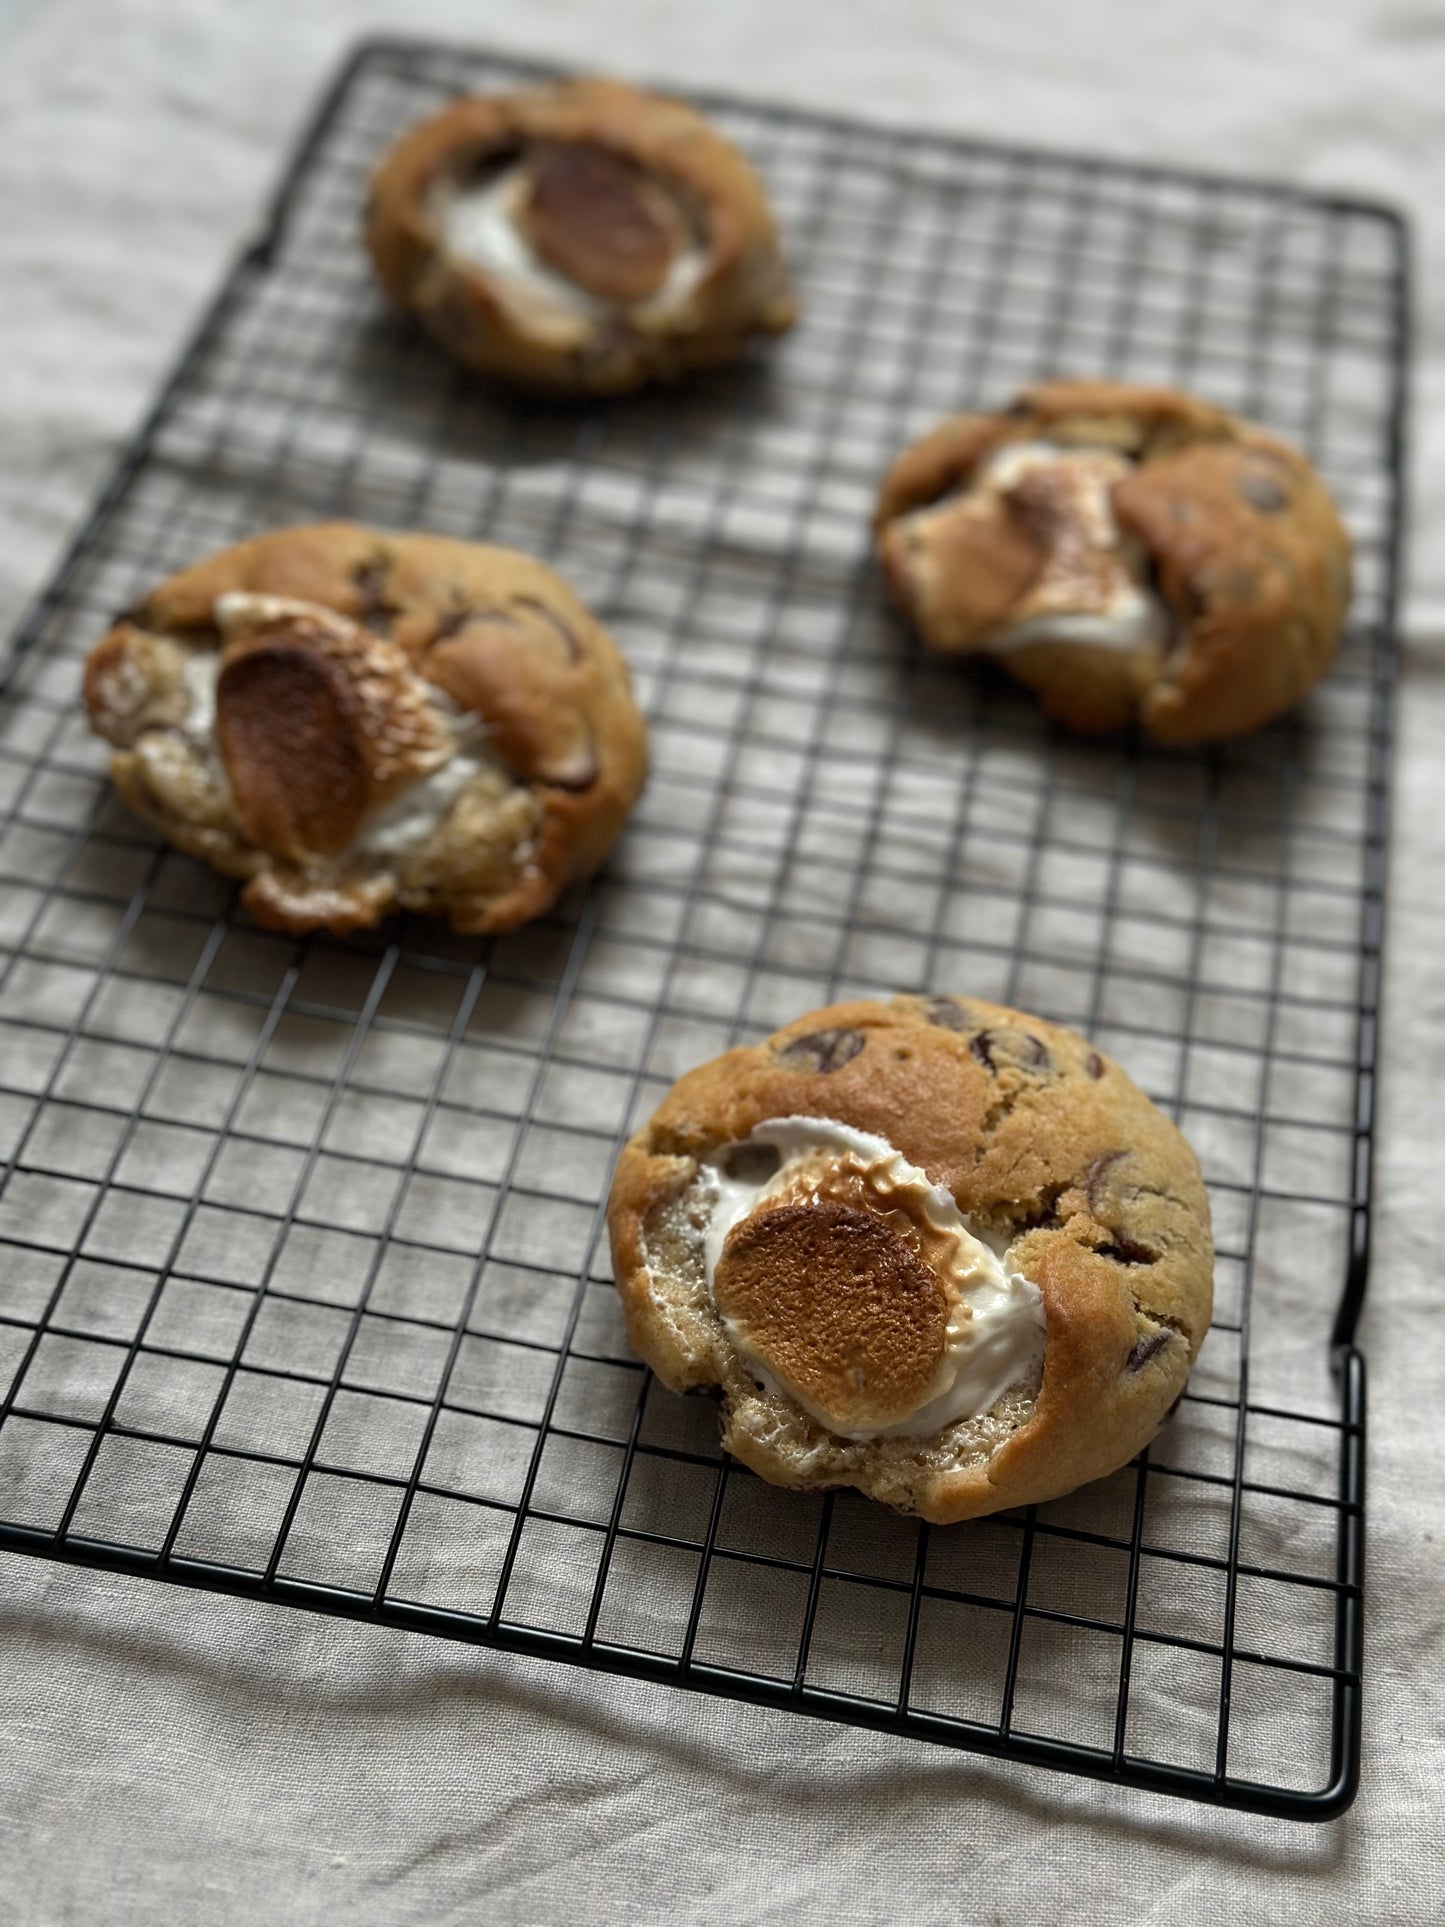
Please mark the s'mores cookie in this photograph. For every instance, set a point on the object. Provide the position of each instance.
(1131, 554)
(935, 1249)
(359, 722)
(585, 236)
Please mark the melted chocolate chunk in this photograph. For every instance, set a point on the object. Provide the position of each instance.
(998, 1049)
(822, 1050)
(1091, 1183)
(1094, 1064)
(454, 621)
(370, 582)
(1198, 595)
(946, 1012)
(1147, 1347)
(1262, 492)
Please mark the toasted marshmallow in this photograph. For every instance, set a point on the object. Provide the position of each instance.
(485, 225)
(848, 1281)
(416, 812)
(239, 612)
(479, 224)
(200, 671)
(1086, 580)
(1090, 588)
(444, 750)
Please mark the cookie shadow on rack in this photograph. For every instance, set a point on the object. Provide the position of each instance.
(161, 1651)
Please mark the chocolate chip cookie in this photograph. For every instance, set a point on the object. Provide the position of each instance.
(358, 722)
(935, 1249)
(587, 237)
(1131, 554)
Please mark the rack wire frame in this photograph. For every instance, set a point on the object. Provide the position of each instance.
(306, 1296)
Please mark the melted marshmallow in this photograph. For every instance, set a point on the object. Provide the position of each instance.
(1133, 617)
(995, 1336)
(202, 667)
(480, 225)
(414, 812)
(239, 606)
(404, 819)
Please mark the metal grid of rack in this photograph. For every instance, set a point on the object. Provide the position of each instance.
(305, 1289)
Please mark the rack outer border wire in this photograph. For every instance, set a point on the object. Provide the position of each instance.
(1347, 1361)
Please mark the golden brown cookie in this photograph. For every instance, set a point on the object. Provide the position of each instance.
(586, 236)
(935, 1249)
(1128, 553)
(359, 722)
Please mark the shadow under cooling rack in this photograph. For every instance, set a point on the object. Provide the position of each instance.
(305, 1292)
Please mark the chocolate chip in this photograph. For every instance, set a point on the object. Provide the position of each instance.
(1147, 1348)
(1091, 1183)
(1006, 1046)
(370, 583)
(1198, 594)
(752, 1163)
(1094, 1064)
(822, 1050)
(1261, 492)
(946, 1012)
(454, 621)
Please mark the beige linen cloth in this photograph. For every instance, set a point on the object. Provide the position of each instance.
(168, 1755)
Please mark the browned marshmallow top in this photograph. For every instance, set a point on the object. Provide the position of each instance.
(596, 218)
(834, 1286)
(316, 719)
(1030, 550)
(847, 1279)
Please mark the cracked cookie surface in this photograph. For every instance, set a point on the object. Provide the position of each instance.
(586, 236)
(847, 1229)
(1131, 554)
(358, 722)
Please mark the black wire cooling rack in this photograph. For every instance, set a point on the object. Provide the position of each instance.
(305, 1288)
